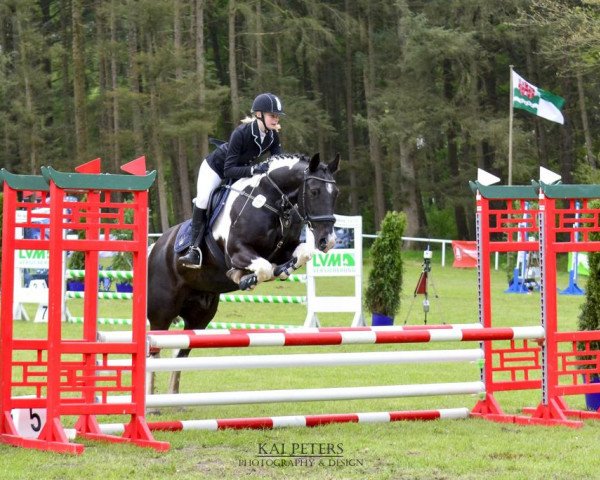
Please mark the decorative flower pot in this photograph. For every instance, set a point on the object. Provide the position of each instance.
(592, 400)
(380, 320)
(75, 286)
(124, 287)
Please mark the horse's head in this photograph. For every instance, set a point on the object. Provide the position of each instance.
(310, 185)
(317, 200)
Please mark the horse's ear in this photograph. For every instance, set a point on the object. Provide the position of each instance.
(314, 162)
(333, 166)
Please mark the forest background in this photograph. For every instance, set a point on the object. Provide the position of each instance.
(413, 94)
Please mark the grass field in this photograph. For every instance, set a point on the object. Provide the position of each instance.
(448, 449)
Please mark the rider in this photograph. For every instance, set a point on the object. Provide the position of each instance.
(235, 159)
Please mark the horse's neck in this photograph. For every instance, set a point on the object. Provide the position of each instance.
(288, 181)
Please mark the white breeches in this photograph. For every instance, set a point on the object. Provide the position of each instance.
(208, 180)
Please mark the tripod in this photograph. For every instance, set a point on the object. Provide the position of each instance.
(422, 286)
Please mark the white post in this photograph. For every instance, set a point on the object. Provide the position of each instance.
(341, 262)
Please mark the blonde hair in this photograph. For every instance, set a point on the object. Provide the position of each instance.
(250, 119)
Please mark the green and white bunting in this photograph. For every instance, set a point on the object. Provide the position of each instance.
(535, 100)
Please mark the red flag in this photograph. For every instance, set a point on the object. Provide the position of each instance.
(421, 287)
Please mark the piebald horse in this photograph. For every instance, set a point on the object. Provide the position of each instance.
(255, 238)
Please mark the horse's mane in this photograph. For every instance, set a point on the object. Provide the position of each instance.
(301, 157)
(289, 160)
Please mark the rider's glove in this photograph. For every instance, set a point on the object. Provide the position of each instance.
(260, 168)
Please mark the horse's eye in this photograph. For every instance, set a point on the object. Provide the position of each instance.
(314, 192)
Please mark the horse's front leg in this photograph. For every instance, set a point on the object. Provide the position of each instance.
(260, 270)
(301, 255)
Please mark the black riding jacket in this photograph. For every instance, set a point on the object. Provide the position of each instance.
(235, 158)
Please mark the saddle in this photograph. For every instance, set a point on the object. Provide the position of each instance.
(215, 205)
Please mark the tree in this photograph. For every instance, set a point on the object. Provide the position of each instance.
(181, 169)
(414, 93)
(233, 80)
(79, 95)
(374, 144)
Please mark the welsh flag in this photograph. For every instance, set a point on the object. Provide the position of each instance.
(535, 100)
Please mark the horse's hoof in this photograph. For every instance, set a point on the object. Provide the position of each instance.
(285, 269)
(248, 282)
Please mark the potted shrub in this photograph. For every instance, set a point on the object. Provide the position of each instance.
(382, 297)
(589, 319)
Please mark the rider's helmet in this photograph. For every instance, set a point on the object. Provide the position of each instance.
(267, 103)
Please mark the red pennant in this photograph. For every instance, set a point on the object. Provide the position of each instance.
(93, 166)
(421, 287)
(135, 167)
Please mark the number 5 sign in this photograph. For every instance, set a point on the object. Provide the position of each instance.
(29, 421)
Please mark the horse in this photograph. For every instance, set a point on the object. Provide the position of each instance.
(254, 238)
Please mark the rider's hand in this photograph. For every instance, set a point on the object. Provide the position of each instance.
(260, 168)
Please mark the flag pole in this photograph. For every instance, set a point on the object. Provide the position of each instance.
(510, 128)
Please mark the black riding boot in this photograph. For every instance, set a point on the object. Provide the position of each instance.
(193, 257)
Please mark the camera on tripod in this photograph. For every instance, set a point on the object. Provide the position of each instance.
(422, 287)
(427, 256)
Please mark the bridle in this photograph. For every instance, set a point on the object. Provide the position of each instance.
(300, 208)
(307, 217)
(288, 208)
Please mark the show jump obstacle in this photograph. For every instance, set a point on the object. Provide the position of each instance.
(506, 217)
(332, 336)
(82, 377)
(563, 219)
(515, 358)
(56, 374)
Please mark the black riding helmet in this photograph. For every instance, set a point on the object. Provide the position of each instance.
(267, 103)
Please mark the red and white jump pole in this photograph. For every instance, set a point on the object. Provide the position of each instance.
(190, 339)
(264, 423)
(125, 336)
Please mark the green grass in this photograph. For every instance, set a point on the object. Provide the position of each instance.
(465, 449)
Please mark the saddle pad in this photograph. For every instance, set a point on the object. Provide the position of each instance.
(217, 202)
(184, 237)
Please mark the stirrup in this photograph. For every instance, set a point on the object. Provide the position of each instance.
(192, 259)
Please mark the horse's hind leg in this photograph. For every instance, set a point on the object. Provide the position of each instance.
(159, 320)
(197, 312)
(176, 376)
